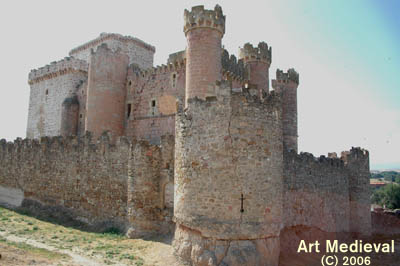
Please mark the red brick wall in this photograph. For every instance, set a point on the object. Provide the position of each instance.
(259, 75)
(203, 61)
(106, 92)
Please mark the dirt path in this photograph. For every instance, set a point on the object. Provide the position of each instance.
(77, 259)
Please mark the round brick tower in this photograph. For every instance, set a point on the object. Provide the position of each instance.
(204, 30)
(286, 84)
(257, 60)
(106, 92)
(69, 116)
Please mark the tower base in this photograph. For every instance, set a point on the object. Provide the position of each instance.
(192, 248)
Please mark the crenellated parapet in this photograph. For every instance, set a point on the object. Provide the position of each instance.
(285, 77)
(261, 53)
(198, 17)
(177, 57)
(356, 153)
(157, 70)
(111, 36)
(65, 66)
(232, 67)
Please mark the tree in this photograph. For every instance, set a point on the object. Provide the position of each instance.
(388, 196)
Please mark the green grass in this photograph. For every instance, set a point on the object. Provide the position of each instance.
(109, 247)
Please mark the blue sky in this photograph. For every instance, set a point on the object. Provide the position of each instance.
(347, 54)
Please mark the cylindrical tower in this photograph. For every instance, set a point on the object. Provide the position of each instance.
(106, 92)
(69, 116)
(286, 84)
(257, 60)
(204, 30)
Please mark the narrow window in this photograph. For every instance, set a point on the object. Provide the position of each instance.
(173, 80)
(129, 110)
(80, 116)
(153, 103)
(130, 83)
(47, 92)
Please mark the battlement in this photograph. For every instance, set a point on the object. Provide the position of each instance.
(307, 158)
(223, 91)
(290, 75)
(62, 67)
(45, 145)
(232, 67)
(198, 17)
(161, 69)
(261, 53)
(356, 153)
(177, 57)
(332, 159)
(114, 36)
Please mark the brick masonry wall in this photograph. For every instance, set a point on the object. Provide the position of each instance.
(203, 67)
(259, 75)
(138, 52)
(106, 92)
(161, 86)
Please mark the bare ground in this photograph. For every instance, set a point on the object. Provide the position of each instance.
(27, 241)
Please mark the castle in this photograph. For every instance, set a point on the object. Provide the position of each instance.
(201, 146)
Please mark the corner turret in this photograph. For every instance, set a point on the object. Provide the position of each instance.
(257, 61)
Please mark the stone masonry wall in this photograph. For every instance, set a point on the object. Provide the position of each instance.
(357, 162)
(316, 192)
(90, 181)
(49, 86)
(139, 52)
(147, 212)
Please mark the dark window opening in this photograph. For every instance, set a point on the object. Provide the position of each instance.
(47, 92)
(130, 83)
(80, 116)
(173, 80)
(153, 103)
(129, 110)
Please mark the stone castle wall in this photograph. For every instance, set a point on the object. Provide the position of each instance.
(50, 85)
(331, 194)
(89, 180)
(139, 52)
(316, 192)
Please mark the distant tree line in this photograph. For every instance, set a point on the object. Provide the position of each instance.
(390, 176)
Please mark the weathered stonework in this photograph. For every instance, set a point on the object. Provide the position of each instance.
(223, 150)
(50, 86)
(200, 144)
(91, 180)
(139, 52)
